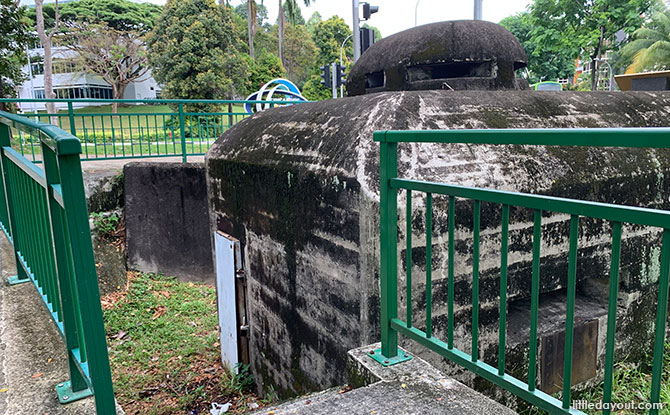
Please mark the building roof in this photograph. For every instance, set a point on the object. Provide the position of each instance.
(625, 81)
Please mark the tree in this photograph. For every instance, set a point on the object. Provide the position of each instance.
(281, 22)
(650, 48)
(328, 37)
(118, 57)
(117, 14)
(261, 13)
(265, 69)
(251, 25)
(14, 38)
(293, 13)
(299, 54)
(188, 49)
(546, 61)
(585, 27)
(313, 22)
(45, 41)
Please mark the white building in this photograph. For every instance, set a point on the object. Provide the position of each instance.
(69, 82)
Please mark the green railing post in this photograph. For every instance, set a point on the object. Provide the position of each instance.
(76, 387)
(70, 114)
(388, 206)
(6, 141)
(86, 282)
(182, 128)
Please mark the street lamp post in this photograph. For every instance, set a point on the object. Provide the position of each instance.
(342, 62)
(611, 71)
(416, 13)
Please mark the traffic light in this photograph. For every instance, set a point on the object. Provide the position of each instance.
(369, 10)
(325, 76)
(340, 75)
(367, 38)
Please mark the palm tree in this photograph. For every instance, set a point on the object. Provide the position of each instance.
(251, 25)
(292, 6)
(650, 48)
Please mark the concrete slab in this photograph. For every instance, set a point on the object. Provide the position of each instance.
(410, 388)
(32, 352)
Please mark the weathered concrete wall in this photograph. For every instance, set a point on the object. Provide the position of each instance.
(167, 228)
(299, 187)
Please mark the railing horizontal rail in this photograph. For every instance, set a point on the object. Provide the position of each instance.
(574, 137)
(606, 211)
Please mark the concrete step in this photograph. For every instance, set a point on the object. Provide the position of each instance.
(409, 388)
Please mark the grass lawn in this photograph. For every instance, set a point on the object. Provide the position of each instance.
(164, 349)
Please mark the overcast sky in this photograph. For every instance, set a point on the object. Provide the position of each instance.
(397, 15)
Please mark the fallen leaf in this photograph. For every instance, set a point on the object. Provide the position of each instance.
(36, 375)
(49, 360)
(4, 390)
(403, 386)
(159, 312)
(121, 334)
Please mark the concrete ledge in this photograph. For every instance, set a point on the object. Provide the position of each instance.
(408, 388)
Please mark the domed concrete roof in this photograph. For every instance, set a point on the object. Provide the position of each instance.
(464, 54)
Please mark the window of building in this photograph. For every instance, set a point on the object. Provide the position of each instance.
(75, 92)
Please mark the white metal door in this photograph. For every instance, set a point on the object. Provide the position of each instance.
(227, 249)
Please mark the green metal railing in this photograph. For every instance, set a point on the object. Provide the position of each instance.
(43, 213)
(617, 215)
(164, 128)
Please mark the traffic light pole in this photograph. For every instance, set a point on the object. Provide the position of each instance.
(356, 29)
(333, 71)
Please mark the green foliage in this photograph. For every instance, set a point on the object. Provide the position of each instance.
(299, 54)
(632, 383)
(293, 13)
(584, 28)
(241, 381)
(266, 68)
(313, 22)
(261, 13)
(105, 223)
(650, 48)
(117, 14)
(190, 48)
(328, 37)
(314, 91)
(14, 37)
(547, 59)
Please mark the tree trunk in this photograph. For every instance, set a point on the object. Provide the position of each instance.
(251, 26)
(594, 67)
(281, 32)
(45, 41)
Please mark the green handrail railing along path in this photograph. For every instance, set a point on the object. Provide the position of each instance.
(143, 128)
(43, 213)
(392, 325)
